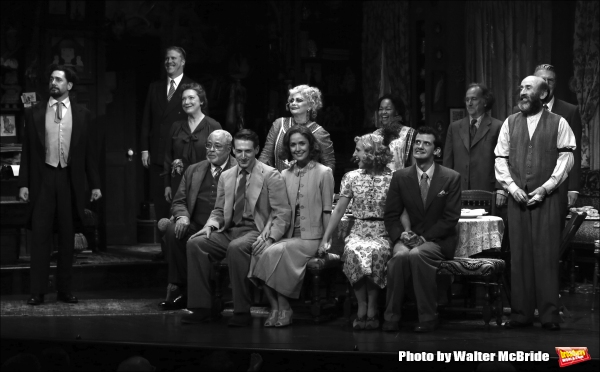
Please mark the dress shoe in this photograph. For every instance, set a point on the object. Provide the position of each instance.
(512, 324)
(160, 256)
(390, 326)
(428, 326)
(285, 318)
(36, 300)
(177, 304)
(66, 298)
(197, 316)
(272, 319)
(551, 326)
(240, 320)
(372, 323)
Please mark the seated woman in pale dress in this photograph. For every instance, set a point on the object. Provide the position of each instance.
(281, 266)
(367, 248)
(401, 137)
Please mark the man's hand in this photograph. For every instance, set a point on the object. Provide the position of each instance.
(520, 196)
(572, 198)
(415, 242)
(168, 196)
(24, 194)
(260, 245)
(537, 196)
(146, 158)
(206, 230)
(501, 199)
(96, 194)
(181, 227)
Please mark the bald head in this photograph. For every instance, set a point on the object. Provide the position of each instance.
(533, 90)
(218, 147)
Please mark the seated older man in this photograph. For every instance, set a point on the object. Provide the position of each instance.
(191, 207)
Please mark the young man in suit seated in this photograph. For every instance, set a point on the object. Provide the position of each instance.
(192, 204)
(247, 195)
(431, 194)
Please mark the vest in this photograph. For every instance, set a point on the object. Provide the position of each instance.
(205, 201)
(58, 137)
(531, 162)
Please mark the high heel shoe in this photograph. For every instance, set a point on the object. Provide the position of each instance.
(272, 319)
(359, 323)
(372, 323)
(285, 318)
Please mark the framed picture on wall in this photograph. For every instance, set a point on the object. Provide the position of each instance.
(8, 126)
(72, 49)
(457, 114)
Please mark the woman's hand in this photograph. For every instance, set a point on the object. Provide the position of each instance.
(168, 194)
(323, 248)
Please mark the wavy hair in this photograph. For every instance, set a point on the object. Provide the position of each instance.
(315, 149)
(377, 155)
(199, 89)
(312, 95)
(486, 94)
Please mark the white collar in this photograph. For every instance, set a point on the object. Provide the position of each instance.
(222, 166)
(66, 102)
(478, 120)
(429, 172)
(177, 80)
(550, 104)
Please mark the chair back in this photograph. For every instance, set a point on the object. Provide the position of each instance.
(570, 230)
(479, 199)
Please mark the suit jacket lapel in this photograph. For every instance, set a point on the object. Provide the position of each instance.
(196, 182)
(484, 127)
(437, 182)
(255, 187)
(39, 120)
(414, 189)
(76, 128)
(173, 103)
(464, 132)
(229, 181)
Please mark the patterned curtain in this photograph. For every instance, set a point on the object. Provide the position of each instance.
(385, 54)
(505, 40)
(586, 79)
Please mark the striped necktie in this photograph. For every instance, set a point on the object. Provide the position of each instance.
(217, 173)
(424, 187)
(171, 90)
(240, 199)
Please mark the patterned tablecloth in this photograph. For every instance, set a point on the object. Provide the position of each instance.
(475, 235)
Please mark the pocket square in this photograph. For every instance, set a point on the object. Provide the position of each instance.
(442, 193)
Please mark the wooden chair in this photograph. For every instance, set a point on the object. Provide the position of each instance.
(488, 272)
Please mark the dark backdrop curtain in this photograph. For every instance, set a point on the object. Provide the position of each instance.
(385, 54)
(505, 40)
(586, 82)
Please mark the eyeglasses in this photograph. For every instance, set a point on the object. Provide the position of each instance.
(217, 147)
(471, 99)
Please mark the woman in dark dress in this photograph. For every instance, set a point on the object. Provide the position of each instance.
(187, 138)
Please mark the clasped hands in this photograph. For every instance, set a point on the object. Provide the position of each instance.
(537, 196)
(411, 239)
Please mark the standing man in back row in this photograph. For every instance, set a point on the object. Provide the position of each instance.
(163, 108)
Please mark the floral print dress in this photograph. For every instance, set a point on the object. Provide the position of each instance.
(367, 249)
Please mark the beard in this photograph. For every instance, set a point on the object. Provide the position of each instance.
(55, 93)
(530, 105)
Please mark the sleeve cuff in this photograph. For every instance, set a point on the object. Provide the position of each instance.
(501, 192)
(512, 188)
(144, 151)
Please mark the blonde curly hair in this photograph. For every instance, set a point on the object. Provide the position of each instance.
(312, 95)
(378, 155)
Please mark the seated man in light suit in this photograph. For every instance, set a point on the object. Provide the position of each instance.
(247, 195)
(430, 193)
(191, 207)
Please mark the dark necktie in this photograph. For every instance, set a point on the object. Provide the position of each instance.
(171, 90)
(473, 130)
(424, 187)
(58, 114)
(240, 199)
(546, 107)
(217, 174)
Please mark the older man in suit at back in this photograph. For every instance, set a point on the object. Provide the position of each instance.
(191, 207)
(163, 108)
(470, 143)
(247, 195)
(430, 193)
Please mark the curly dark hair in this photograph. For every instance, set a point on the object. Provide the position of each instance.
(377, 154)
(486, 94)
(69, 72)
(315, 149)
(396, 101)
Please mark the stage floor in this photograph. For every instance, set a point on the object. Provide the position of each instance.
(457, 332)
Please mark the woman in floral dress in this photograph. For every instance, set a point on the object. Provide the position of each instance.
(367, 247)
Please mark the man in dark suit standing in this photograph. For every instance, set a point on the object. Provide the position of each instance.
(248, 195)
(163, 108)
(470, 143)
(431, 195)
(568, 190)
(59, 151)
(191, 207)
